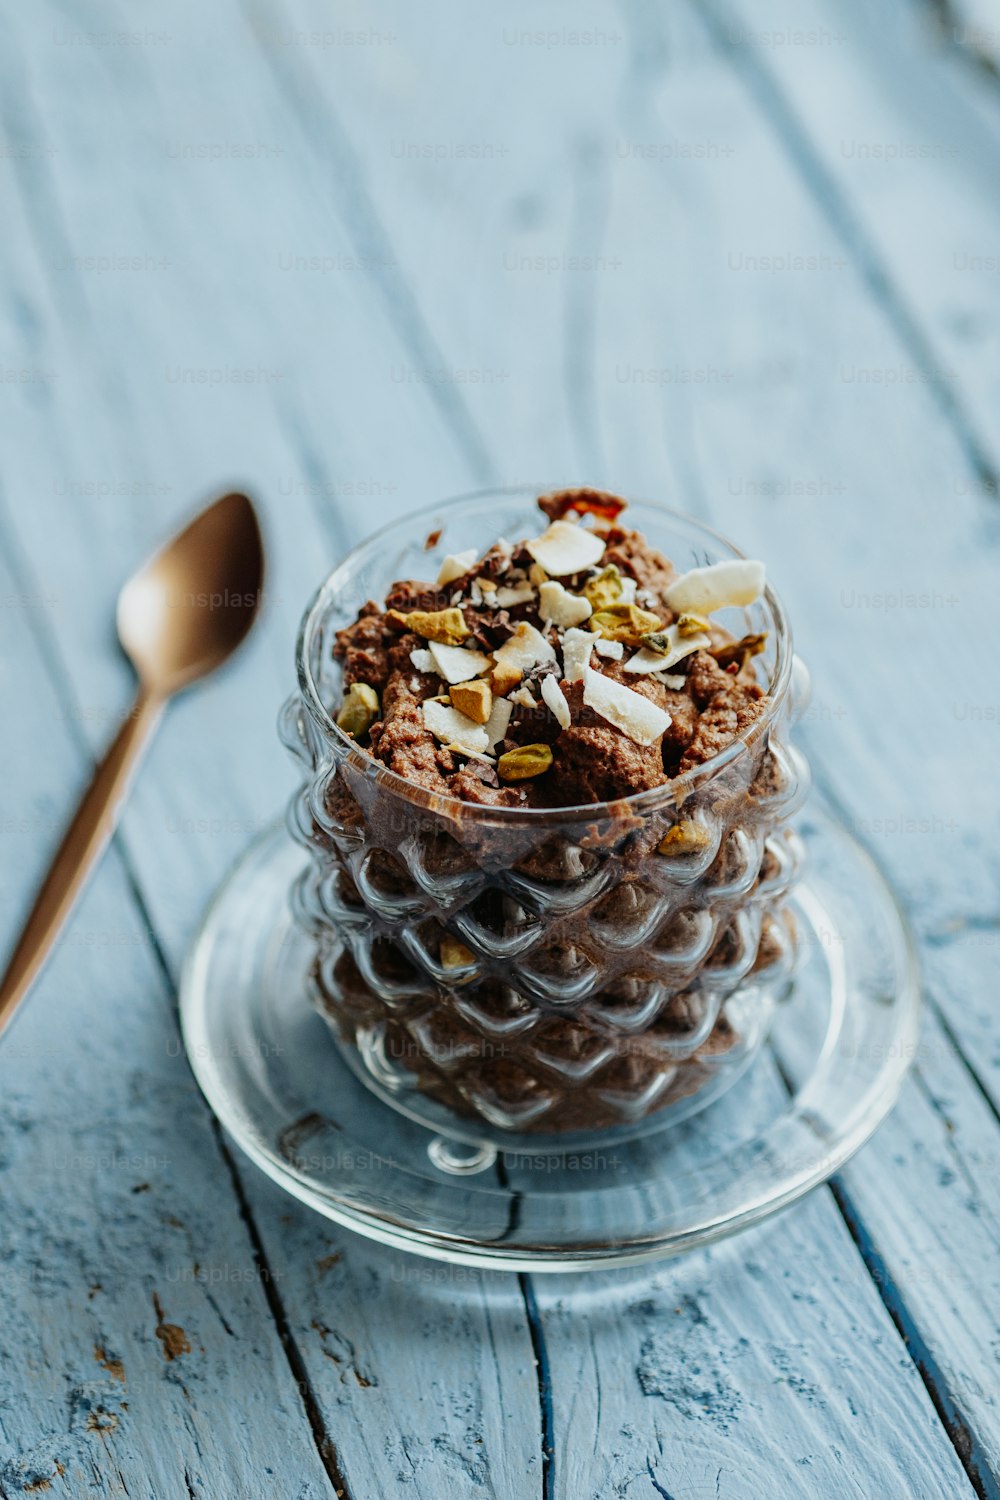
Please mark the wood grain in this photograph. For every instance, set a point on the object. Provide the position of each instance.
(415, 324)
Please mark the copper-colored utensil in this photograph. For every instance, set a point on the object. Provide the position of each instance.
(179, 617)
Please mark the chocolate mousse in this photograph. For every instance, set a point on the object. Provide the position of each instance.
(572, 668)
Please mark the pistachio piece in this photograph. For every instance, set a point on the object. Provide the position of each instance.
(444, 625)
(739, 651)
(525, 762)
(690, 624)
(359, 710)
(687, 837)
(624, 622)
(474, 700)
(606, 589)
(455, 955)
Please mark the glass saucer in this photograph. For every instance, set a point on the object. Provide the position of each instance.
(271, 1070)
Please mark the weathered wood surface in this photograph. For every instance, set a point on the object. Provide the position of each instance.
(442, 338)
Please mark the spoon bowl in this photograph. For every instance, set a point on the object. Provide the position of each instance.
(183, 613)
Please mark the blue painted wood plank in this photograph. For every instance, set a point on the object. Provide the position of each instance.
(747, 448)
(92, 459)
(568, 410)
(133, 1306)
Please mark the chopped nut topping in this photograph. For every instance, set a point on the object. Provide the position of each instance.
(624, 622)
(447, 626)
(525, 762)
(686, 838)
(739, 652)
(606, 589)
(474, 700)
(689, 624)
(359, 710)
(505, 678)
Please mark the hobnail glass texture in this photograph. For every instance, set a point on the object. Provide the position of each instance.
(608, 981)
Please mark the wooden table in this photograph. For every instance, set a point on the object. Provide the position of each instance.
(740, 256)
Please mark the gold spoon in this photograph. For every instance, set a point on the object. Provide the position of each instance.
(179, 618)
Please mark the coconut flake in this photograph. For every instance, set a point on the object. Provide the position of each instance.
(647, 660)
(577, 646)
(422, 660)
(676, 684)
(498, 723)
(488, 760)
(738, 581)
(633, 714)
(565, 548)
(525, 649)
(614, 650)
(455, 565)
(521, 593)
(559, 607)
(555, 700)
(455, 664)
(452, 728)
(525, 697)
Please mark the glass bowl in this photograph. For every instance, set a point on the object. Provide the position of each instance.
(606, 980)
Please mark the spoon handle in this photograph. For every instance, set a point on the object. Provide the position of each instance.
(83, 844)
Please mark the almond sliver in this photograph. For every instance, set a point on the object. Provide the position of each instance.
(738, 581)
(627, 710)
(564, 549)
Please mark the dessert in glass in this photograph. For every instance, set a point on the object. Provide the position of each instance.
(546, 786)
